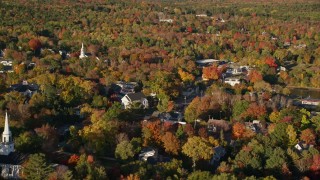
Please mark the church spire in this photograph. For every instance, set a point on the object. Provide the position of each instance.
(6, 135)
(82, 53)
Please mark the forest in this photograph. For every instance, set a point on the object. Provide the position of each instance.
(76, 54)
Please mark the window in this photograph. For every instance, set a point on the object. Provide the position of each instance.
(10, 171)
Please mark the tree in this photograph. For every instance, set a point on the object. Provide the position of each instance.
(308, 136)
(239, 108)
(61, 173)
(256, 111)
(255, 76)
(211, 72)
(27, 142)
(49, 137)
(197, 148)
(271, 62)
(34, 44)
(185, 76)
(292, 135)
(37, 168)
(124, 150)
(86, 168)
(197, 175)
(238, 130)
(171, 143)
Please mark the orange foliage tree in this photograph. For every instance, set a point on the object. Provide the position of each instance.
(211, 72)
(255, 76)
(238, 130)
(73, 160)
(308, 136)
(171, 143)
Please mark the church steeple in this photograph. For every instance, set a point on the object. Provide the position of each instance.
(6, 135)
(82, 53)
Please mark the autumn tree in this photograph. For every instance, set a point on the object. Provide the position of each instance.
(254, 76)
(308, 136)
(211, 72)
(255, 111)
(238, 130)
(171, 143)
(185, 76)
(197, 148)
(34, 44)
(49, 137)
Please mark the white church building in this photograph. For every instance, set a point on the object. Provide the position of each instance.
(10, 161)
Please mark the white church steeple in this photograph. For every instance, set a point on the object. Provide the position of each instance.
(6, 146)
(6, 135)
(82, 53)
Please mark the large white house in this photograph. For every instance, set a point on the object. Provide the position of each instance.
(232, 81)
(10, 161)
(130, 99)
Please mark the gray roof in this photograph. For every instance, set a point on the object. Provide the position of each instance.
(136, 96)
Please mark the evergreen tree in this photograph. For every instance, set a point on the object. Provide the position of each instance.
(37, 167)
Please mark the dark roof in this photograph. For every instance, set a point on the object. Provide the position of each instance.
(24, 87)
(136, 96)
(14, 158)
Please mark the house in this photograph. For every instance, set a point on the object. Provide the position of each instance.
(174, 117)
(148, 153)
(234, 71)
(300, 146)
(215, 125)
(166, 20)
(25, 88)
(10, 161)
(201, 15)
(129, 99)
(6, 66)
(310, 102)
(232, 81)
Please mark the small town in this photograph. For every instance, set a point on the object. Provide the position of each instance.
(130, 90)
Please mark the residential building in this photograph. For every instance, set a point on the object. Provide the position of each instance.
(25, 88)
(130, 99)
(232, 81)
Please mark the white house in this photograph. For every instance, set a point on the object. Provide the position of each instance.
(147, 153)
(234, 71)
(10, 161)
(129, 99)
(309, 101)
(201, 15)
(232, 81)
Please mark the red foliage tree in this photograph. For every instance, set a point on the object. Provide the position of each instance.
(34, 44)
(271, 62)
(254, 110)
(73, 160)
